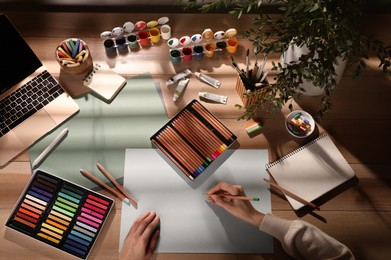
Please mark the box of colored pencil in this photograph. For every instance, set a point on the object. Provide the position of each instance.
(193, 139)
(61, 214)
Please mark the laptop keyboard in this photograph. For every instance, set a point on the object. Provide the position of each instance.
(27, 100)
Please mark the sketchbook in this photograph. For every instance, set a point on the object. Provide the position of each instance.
(104, 82)
(311, 170)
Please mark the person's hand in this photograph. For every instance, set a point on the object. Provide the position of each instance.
(141, 241)
(241, 209)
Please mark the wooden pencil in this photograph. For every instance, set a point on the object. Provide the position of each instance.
(116, 184)
(101, 183)
(178, 156)
(202, 129)
(157, 144)
(200, 146)
(212, 120)
(216, 143)
(235, 197)
(186, 149)
(195, 134)
(291, 194)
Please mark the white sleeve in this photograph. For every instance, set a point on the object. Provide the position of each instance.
(303, 240)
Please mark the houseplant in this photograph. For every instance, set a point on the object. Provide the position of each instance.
(329, 29)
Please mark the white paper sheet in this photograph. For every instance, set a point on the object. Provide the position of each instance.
(190, 224)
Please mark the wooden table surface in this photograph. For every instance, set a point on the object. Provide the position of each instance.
(359, 124)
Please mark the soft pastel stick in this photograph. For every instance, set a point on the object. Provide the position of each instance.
(76, 48)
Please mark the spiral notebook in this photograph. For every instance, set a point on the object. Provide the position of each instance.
(311, 170)
(104, 82)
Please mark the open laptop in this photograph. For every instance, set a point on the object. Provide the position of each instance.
(32, 103)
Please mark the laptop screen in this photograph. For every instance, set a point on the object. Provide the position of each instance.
(17, 59)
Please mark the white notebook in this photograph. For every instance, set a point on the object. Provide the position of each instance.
(311, 170)
(104, 82)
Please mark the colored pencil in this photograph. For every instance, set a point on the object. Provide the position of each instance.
(173, 159)
(119, 187)
(292, 195)
(191, 142)
(97, 181)
(213, 121)
(202, 129)
(179, 159)
(182, 148)
(235, 197)
(199, 144)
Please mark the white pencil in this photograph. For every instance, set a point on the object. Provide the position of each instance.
(50, 147)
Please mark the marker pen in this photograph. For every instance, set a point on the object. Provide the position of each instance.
(178, 76)
(208, 79)
(179, 89)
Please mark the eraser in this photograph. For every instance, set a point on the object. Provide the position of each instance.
(253, 127)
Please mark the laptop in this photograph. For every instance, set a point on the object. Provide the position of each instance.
(32, 103)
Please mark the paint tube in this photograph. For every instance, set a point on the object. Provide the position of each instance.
(208, 79)
(179, 89)
(178, 77)
(213, 97)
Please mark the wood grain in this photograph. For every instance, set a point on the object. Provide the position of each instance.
(360, 125)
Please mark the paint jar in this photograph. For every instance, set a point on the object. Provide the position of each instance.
(232, 45)
(154, 34)
(143, 37)
(210, 50)
(132, 41)
(198, 51)
(175, 56)
(110, 47)
(165, 32)
(187, 54)
(120, 41)
(221, 46)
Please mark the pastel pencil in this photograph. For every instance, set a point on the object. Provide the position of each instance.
(235, 197)
(174, 160)
(196, 134)
(195, 141)
(199, 108)
(212, 142)
(291, 194)
(179, 159)
(186, 146)
(178, 145)
(202, 128)
(108, 175)
(97, 181)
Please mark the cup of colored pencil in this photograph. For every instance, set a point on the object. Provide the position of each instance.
(74, 56)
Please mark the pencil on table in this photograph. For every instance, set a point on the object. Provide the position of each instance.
(108, 175)
(97, 181)
(291, 194)
(235, 197)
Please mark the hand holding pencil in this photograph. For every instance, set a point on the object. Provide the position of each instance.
(234, 200)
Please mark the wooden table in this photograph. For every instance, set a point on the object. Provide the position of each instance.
(360, 125)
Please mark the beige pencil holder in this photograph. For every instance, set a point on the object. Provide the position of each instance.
(246, 99)
(74, 56)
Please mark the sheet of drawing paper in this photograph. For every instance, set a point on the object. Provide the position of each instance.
(189, 223)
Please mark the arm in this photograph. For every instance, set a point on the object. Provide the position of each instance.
(302, 240)
(298, 238)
